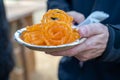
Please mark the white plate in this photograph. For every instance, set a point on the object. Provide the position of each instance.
(45, 48)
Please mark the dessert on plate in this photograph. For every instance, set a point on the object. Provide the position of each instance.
(54, 29)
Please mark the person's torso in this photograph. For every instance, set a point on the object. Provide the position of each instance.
(112, 7)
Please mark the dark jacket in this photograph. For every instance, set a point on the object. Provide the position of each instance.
(107, 66)
(6, 60)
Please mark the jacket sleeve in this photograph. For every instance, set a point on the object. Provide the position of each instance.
(59, 4)
(112, 52)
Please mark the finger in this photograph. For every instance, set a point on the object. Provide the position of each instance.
(73, 51)
(69, 52)
(78, 17)
(92, 29)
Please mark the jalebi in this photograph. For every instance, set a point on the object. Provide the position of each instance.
(56, 15)
(55, 29)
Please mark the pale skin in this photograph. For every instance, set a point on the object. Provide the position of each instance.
(97, 37)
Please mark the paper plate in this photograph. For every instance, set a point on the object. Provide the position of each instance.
(45, 48)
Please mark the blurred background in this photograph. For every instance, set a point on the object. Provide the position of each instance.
(29, 65)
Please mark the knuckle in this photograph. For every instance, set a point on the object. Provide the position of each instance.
(72, 52)
(85, 57)
(82, 59)
(89, 45)
(81, 16)
(102, 27)
(73, 12)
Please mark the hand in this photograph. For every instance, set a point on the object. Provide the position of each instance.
(97, 38)
(78, 17)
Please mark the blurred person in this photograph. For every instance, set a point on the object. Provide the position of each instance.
(6, 60)
(101, 51)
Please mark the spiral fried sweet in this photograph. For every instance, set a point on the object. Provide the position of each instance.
(55, 29)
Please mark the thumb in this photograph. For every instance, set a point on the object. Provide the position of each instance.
(91, 29)
(78, 17)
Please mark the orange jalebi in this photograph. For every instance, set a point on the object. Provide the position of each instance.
(56, 15)
(33, 35)
(55, 29)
